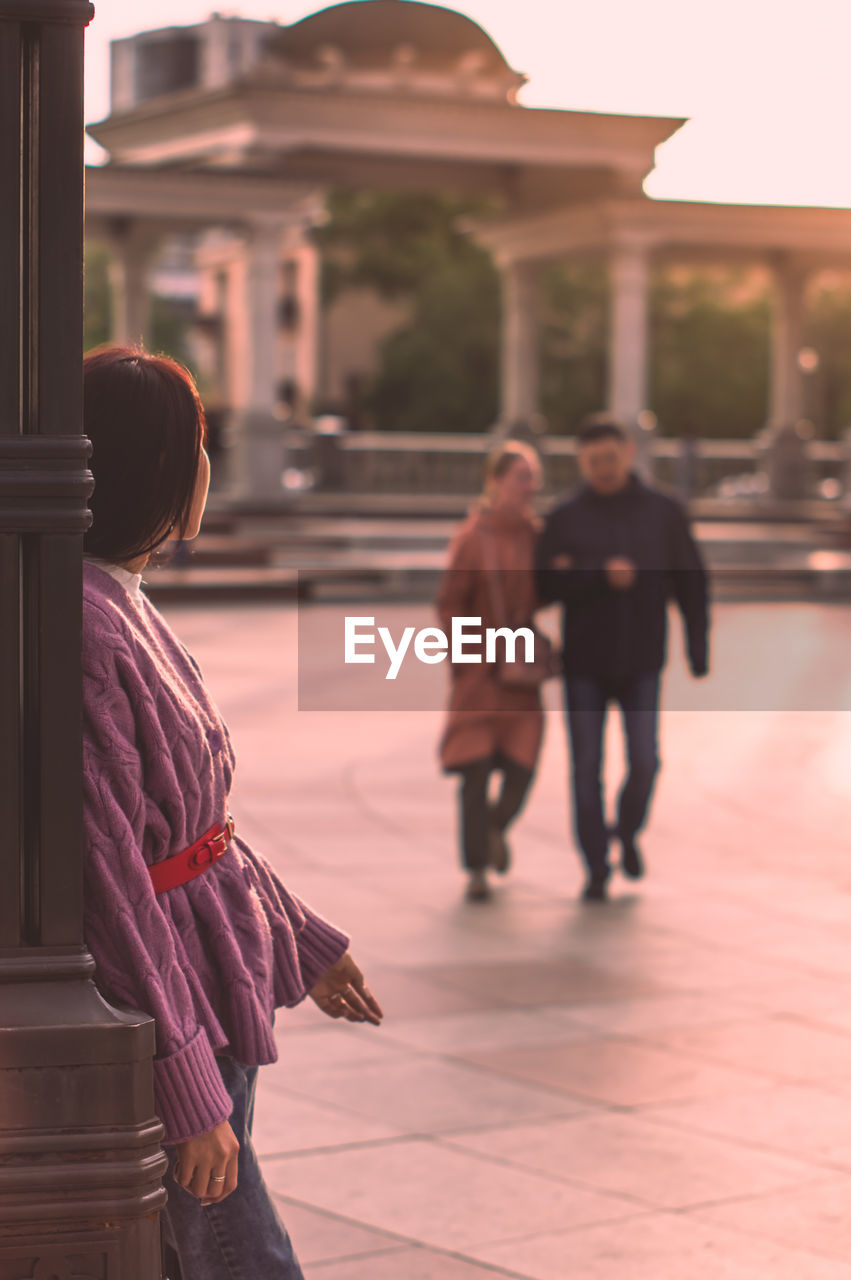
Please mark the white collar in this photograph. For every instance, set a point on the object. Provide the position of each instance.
(131, 582)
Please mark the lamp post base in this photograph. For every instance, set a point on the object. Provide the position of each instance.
(80, 1159)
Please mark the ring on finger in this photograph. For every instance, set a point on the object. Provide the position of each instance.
(221, 1179)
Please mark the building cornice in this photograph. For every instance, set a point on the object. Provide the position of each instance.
(194, 199)
(682, 227)
(190, 127)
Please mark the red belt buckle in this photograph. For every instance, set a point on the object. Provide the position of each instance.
(194, 861)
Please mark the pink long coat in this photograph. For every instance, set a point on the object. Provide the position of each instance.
(485, 717)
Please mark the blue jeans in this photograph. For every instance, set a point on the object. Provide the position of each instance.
(242, 1238)
(587, 699)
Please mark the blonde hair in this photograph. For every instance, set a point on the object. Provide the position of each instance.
(502, 459)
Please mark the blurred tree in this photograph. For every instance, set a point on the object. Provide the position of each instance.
(96, 298)
(574, 298)
(710, 329)
(170, 321)
(440, 371)
(391, 241)
(709, 351)
(170, 318)
(709, 342)
(828, 332)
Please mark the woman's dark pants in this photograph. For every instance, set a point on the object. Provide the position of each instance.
(242, 1238)
(478, 816)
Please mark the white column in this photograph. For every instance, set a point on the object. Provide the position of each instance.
(628, 342)
(786, 395)
(215, 48)
(257, 445)
(309, 330)
(520, 356)
(131, 248)
(122, 76)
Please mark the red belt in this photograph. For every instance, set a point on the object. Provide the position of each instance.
(189, 863)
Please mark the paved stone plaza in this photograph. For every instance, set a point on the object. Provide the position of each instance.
(654, 1089)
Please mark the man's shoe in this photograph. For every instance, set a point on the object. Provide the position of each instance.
(500, 854)
(478, 889)
(632, 863)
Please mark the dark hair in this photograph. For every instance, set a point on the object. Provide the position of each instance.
(600, 426)
(146, 423)
(503, 457)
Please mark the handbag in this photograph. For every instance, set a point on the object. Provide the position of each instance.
(522, 673)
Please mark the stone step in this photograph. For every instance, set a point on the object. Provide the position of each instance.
(401, 577)
(454, 507)
(221, 582)
(301, 552)
(268, 541)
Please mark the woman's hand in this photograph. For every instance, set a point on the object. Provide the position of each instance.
(341, 992)
(207, 1165)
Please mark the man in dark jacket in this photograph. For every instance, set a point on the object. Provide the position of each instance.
(614, 554)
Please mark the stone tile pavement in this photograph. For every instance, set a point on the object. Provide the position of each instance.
(655, 1089)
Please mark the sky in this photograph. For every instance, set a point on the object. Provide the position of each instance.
(764, 83)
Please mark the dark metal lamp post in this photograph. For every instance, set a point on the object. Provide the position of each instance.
(80, 1163)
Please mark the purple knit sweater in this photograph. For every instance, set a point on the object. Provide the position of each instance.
(211, 960)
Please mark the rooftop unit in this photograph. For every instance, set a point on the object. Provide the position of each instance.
(208, 55)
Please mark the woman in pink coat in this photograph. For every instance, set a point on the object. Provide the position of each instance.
(492, 727)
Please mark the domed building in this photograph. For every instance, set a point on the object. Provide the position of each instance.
(384, 44)
(230, 133)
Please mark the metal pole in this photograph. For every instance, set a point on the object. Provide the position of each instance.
(80, 1163)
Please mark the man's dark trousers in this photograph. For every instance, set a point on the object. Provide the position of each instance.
(586, 701)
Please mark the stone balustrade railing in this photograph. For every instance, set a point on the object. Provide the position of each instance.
(380, 462)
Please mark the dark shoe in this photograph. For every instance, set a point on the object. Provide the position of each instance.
(632, 863)
(500, 854)
(595, 887)
(478, 889)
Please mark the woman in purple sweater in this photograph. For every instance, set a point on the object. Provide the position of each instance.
(183, 920)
